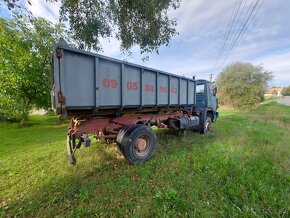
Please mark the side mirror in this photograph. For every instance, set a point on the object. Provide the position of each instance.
(215, 91)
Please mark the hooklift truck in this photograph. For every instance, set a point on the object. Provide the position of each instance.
(117, 101)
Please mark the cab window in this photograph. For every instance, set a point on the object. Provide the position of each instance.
(200, 88)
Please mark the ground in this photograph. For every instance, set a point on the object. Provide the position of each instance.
(241, 169)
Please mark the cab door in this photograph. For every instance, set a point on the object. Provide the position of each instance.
(212, 99)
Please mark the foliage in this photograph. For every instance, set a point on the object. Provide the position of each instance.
(134, 22)
(25, 56)
(242, 169)
(242, 85)
(286, 91)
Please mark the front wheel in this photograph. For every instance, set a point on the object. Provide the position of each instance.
(207, 125)
(137, 143)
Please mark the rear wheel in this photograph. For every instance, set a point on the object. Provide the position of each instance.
(121, 136)
(137, 143)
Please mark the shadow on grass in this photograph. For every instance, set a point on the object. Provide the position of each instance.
(101, 171)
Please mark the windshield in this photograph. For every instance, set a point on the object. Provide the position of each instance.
(200, 88)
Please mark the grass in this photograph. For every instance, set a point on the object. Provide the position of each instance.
(241, 169)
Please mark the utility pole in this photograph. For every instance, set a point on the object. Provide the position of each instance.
(211, 77)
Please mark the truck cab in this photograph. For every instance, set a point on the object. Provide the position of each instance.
(206, 98)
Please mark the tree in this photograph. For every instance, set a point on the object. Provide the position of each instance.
(25, 56)
(242, 85)
(286, 91)
(134, 22)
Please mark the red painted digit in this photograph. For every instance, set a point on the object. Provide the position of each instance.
(150, 88)
(146, 88)
(163, 89)
(132, 85)
(106, 83)
(114, 83)
(129, 85)
(135, 85)
(174, 90)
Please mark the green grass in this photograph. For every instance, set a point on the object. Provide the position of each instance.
(241, 169)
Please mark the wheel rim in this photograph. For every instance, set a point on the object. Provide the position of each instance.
(142, 146)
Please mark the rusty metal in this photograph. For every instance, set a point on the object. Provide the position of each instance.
(61, 98)
(101, 127)
(142, 146)
(59, 53)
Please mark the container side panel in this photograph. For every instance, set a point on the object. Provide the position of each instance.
(183, 91)
(77, 78)
(191, 93)
(163, 89)
(131, 94)
(109, 74)
(174, 90)
(149, 88)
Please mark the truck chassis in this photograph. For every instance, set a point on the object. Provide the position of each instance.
(132, 133)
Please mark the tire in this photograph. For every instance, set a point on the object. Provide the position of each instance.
(207, 126)
(137, 143)
(121, 135)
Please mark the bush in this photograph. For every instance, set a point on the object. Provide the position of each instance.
(13, 110)
(242, 85)
(286, 91)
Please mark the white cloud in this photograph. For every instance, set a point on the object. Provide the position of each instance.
(45, 9)
(110, 46)
(199, 16)
(279, 64)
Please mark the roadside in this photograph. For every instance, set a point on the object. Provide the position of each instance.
(285, 100)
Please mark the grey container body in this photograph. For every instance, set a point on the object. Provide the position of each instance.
(91, 81)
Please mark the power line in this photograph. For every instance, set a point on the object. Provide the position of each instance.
(239, 19)
(211, 77)
(226, 36)
(232, 37)
(253, 17)
(239, 35)
(228, 31)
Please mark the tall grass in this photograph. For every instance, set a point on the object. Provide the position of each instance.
(241, 169)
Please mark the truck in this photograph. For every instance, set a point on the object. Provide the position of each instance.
(117, 101)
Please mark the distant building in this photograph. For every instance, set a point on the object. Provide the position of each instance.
(274, 92)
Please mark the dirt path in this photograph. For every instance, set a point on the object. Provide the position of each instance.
(285, 100)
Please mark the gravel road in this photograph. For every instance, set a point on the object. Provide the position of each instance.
(285, 100)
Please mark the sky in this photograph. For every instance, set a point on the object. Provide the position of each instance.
(202, 27)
